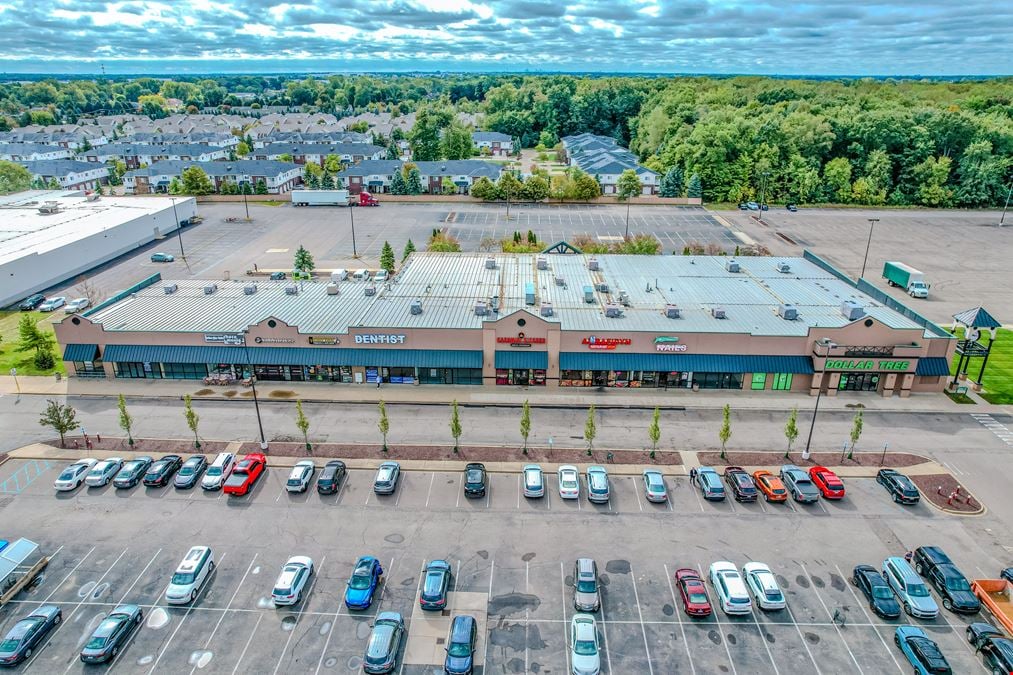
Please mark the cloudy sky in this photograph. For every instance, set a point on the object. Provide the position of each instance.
(831, 37)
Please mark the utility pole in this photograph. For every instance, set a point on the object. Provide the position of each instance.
(872, 226)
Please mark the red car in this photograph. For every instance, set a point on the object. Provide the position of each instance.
(830, 486)
(693, 592)
(245, 475)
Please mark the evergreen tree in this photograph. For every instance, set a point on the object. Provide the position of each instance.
(409, 248)
(413, 183)
(303, 260)
(694, 188)
(671, 183)
(387, 258)
(398, 185)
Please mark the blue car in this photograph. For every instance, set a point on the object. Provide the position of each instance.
(920, 651)
(461, 646)
(363, 583)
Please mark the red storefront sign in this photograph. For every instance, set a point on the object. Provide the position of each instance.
(595, 342)
(521, 340)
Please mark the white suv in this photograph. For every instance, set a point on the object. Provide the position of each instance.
(219, 470)
(191, 575)
(731, 591)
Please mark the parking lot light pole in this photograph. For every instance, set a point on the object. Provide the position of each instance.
(179, 229)
(1009, 194)
(872, 225)
(246, 204)
(351, 216)
(825, 343)
(253, 385)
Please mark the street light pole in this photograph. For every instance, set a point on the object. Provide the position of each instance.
(627, 237)
(763, 188)
(245, 203)
(351, 215)
(253, 384)
(1006, 206)
(872, 226)
(179, 229)
(816, 409)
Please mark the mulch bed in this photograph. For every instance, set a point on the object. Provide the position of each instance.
(937, 488)
(141, 445)
(893, 459)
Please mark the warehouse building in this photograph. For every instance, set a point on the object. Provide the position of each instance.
(671, 322)
(48, 237)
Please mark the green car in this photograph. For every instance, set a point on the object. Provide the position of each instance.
(162, 257)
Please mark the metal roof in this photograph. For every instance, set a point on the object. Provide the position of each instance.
(978, 317)
(449, 284)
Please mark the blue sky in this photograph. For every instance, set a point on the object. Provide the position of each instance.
(830, 37)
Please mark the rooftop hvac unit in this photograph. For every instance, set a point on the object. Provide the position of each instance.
(545, 309)
(851, 310)
(92, 197)
(592, 264)
(339, 275)
(369, 290)
(490, 263)
(250, 289)
(416, 307)
(559, 281)
(732, 266)
(529, 293)
(495, 303)
(718, 312)
(333, 289)
(672, 311)
(787, 312)
(783, 267)
(602, 287)
(588, 294)
(49, 207)
(210, 289)
(613, 311)
(170, 288)
(481, 308)
(624, 298)
(542, 263)
(291, 289)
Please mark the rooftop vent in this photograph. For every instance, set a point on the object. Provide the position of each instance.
(250, 289)
(672, 311)
(588, 294)
(787, 312)
(92, 197)
(851, 310)
(291, 289)
(495, 303)
(210, 289)
(542, 263)
(170, 288)
(624, 298)
(718, 312)
(559, 281)
(416, 307)
(369, 290)
(481, 308)
(49, 207)
(592, 264)
(333, 289)
(490, 263)
(783, 267)
(602, 287)
(732, 266)
(545, 309)
(613, 311)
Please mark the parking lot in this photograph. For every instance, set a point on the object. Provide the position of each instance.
(515, 554)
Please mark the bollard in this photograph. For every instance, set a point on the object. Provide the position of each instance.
(98, 437)
(950, 500)
(939, 490)
(76, 444)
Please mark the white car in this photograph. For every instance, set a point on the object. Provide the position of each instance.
(585, 658)
(51, 304)
(569, 482)
(730, 589)
(103, 472)
(534, 482)
(300, 476)
(72, 477)
(218, 471)
(763, 586)
(296, 573)
(76, 305)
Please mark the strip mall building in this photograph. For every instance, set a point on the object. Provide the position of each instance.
(673, 322)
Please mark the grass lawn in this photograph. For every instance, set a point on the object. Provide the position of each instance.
(999, 372)
(9, 358)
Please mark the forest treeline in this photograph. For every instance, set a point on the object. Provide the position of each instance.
(861, 141)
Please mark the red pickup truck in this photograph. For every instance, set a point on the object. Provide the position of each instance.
(245, 475)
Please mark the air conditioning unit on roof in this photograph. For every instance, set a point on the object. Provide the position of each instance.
(787, 312)
(851, 310)
(546, 309)
(210, 289)
(783, 267)
(481, 308)
(250, 289)
(718, 312)
(732, 266)
(542, 263)
(416, 307)
(613, 311)
(490, 263)
(333, 289)
(672, 311)
(291, 289)
(592, 264)
(170, 288)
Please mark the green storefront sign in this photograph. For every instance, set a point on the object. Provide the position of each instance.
(859, 364)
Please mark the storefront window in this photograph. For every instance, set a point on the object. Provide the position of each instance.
(185, 371)
(138, 370)
(760, 380)
(782, 381)
(718, 380)
(393, 375)
(89, 369)
(859, 382)
(573, 378)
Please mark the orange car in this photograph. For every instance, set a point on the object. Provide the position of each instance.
(771, 486)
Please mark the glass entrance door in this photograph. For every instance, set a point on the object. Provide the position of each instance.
(859, 382)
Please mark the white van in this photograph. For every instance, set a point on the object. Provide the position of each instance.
(361, 275)
(219, 470)
(381, 276)
(191, 575)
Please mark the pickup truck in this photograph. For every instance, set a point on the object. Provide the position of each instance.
(996, 596)
(245, 475)
(907, 277)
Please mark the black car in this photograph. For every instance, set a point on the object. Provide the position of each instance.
(112, 634)
(980, 631)
(743, 207)
(997, 654)
(764, 207)
(741, 483)
(132, 472)
(791, 207)
(951, 584)
(474, 480)
(162, 470)
(900, 486)
(461, 646)
(31, 302)
(1007, 574)
(27, 635)
(277, 276)
(330, 477)
(879, 594)
(190, 472)
(435, 586)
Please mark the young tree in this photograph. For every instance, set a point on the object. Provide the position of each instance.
(14, 178)
(628, 185)
(192, 418)
(448, 186)
(196, 182)
(586, 188)
(175, 186)
(536, 188)
(791, 430)
(525, 424)
(398, 185)
(303, 424)
(303, 260)
(126, 421)
(654, 431)
(484, 189)
(31, 338)
(856, 432)
(413, 181)
(726, 428)
(671, 183)
(387, 258)
(409, 248)
(509, 186)
(590, 430)
(60, 418)
(694, 188)
(455, 424)
(242, 149)
(383, 424)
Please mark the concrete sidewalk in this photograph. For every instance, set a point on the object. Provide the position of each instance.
(485, 396)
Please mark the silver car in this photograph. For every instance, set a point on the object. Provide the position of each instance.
(288, 589)
(52, 304)
(386, 478)
(586, 597)
(534, 481)
(76, 305)
(103, 472)
(654, 486)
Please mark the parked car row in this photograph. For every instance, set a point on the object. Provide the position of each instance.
(43, 304)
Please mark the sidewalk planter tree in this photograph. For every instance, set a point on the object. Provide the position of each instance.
(856, 432)
(654, 431)
(384, 423)
(192, 418)
(590, 431)
(455, 424)
(303, 424)
(726, 428)
(60, 418)
(126, 421)
(791, 430)
(525, 424)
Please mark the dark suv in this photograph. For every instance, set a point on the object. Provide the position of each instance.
(474, 480)
(900, 486)
(741, 483)
(951, 584)
(31, 302)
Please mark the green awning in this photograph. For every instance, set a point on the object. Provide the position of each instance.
(80, 352)
(522, 359)
(294, 356)
(699, 363)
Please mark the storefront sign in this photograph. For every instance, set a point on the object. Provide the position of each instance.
(521, 340)
(380, 339)
(271, 340)
(594, 342)
(224, 338)
(848, 364)
(663, 339)
(323, 340)
(669, 347)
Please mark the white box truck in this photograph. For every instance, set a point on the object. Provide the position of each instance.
(907, 277)
(319, 197)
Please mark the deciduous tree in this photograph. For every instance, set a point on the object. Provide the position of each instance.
(60, 418)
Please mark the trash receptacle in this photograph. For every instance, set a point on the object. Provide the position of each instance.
(59, 376)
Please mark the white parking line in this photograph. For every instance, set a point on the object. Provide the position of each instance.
(696, 493)
(131, 587)
(66, 619)
(637, 493)
(802, 639)
(643, 629)
(763, 639)
(605, 636)
(527, 615)
(868, 617)
(69, 574)
(211, 636)
(682, 628)
(566, 632)
(836, 627)
(492, 572)
(518, 491)
(242, 654)
(298, 614)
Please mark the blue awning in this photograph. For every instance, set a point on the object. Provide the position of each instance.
(700, 363)
(80, 352)
(521, 359)
(935, 365)
(294, 356)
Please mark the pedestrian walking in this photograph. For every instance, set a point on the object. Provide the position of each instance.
(379, 379)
